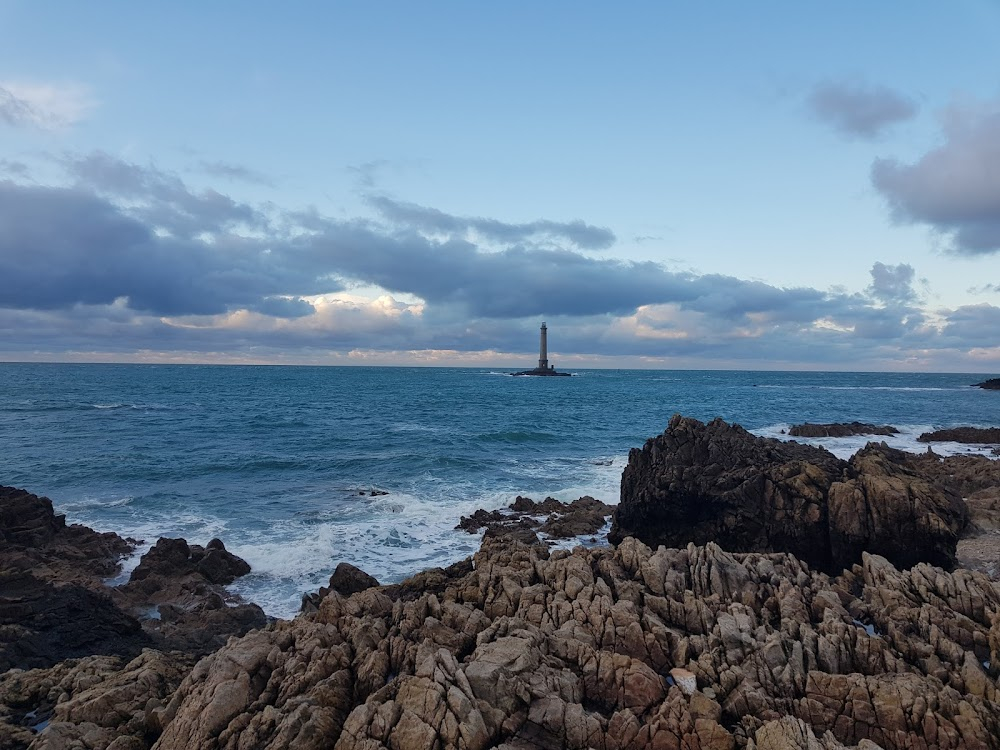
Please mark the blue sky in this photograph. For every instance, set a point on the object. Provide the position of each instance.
(778, 185)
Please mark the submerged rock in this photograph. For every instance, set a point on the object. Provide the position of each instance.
(717, 482)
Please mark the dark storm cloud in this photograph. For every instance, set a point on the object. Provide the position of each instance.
(160, 199)
(859, 111)
(65, 246)
(954, 188)
(431, 220)
(235, 172)
(892, 283)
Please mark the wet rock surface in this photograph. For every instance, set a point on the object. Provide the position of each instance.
(840, 429)
(974, 435)
(525, 518)
(702, 482)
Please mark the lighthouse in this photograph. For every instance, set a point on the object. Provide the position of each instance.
(544, 368)
(543, 349)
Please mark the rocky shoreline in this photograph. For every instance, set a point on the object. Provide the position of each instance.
(798, 601)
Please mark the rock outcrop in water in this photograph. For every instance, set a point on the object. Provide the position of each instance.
(983, 435)
(993, 384)
(717, 482)
(554, 518)
(840, 429)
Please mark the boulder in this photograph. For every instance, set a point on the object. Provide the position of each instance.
(840, 429)
(717, 482)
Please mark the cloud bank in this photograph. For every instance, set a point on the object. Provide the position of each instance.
(126, 258)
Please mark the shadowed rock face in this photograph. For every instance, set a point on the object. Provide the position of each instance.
(717, 482)
(54, 604)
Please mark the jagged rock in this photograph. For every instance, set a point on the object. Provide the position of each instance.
(35, 539)
(585, 515)
(993, 384)
(181, 586)
(840, 429)
(984, 435)
(42, 623)
(697, 482)
(888, 508)
(92, 702)
(174, 558)
(526, 649)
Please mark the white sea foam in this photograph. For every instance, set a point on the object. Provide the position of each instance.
(906, 440)
(390, 536)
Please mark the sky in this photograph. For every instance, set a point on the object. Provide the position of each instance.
(724, 185)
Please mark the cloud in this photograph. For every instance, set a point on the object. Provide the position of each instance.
(892, 283)
(14, 168)
(65, 246)
(160, 199)
(44, 106)
(954, 188)
(859, 111)
(235, 173)
(431, 220)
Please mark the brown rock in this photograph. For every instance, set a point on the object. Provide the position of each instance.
(717, 482)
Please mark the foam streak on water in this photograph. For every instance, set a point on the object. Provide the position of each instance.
(273, 460)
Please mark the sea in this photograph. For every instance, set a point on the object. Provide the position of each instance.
(281, 462)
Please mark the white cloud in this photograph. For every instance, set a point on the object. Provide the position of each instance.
(45, 106)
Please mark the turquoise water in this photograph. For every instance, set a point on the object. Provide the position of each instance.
(272, 459)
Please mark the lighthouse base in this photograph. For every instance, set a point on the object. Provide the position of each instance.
(549, 372)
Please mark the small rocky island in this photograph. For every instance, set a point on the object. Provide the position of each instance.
(993, 384)
(544, 368)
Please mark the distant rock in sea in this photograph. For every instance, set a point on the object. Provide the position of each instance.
(975, 435)
(840, 429)
(993, 384)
